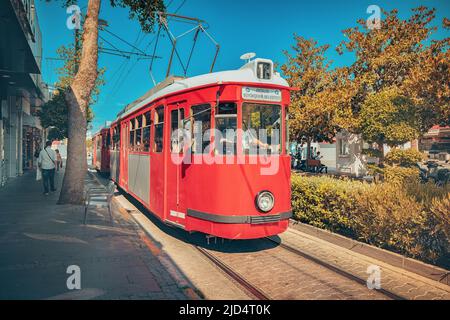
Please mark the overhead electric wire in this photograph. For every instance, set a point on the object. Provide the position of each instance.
(179, 7)
(123, 40)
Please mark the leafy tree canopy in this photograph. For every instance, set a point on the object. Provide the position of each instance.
(400, 54)
(388, 117)
(394, 91)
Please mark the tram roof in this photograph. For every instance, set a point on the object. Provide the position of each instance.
(246, 74)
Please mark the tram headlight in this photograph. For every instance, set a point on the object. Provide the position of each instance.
(265, 201)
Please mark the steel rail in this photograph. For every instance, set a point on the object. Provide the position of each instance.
(257, 293)
(337, 270)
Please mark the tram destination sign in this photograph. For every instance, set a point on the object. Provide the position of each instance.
(263, 94)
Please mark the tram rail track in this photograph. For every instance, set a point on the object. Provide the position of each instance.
(259, 294)
(253, 290)
(333, 268)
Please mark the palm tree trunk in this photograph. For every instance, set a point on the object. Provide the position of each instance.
(77, 98)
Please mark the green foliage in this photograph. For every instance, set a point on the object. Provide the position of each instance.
(398, 55)
(372, 152)
(400, 175)
(404, 158)
(54, 114)
(388, 117)
(313, 105)
(412, 220)
(55, 134)
(142, 10)
(68, 71)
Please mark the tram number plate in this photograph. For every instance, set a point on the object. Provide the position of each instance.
(250, 93)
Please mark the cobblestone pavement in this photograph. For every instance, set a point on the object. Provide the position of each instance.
(282, 274)
(39, 240)
(398, 281)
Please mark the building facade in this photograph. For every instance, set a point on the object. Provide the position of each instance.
(22, 91)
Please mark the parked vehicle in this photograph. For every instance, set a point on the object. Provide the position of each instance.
(435, 172)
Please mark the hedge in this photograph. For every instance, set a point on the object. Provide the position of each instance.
(412, 219)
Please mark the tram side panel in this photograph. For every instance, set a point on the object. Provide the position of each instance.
(114, 165)
(138, 176)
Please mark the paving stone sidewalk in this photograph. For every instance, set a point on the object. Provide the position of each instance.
(39, 240)
(406, 284)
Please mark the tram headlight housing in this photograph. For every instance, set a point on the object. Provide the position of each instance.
(265, 201)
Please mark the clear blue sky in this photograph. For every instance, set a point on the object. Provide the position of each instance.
(262, 26)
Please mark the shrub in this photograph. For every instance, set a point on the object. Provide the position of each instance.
(325, 202)
(403, 158)
(390, 219)
(412, 219)
(400, 175)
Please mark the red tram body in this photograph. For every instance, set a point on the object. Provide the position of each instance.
(101, 150)
(224, 198)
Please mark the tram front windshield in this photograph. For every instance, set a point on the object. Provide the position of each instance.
(261, 128)
(261, 131)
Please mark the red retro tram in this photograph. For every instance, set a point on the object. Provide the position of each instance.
(100, 150)
(230, 192)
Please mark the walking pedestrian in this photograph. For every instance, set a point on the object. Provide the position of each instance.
(58, 160)
(47, 163)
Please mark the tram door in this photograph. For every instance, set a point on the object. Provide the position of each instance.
(124, 141)
(175, 186)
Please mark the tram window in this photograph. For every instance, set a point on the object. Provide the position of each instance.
(226, 123)
(108, 140)
(131, 145)
(116, 138)
(146, 132)
(146, 138)
(131, 140)
(138, 143)
(138, 134)
(113, 136)
(177, 137)
(147, 119)
(201, 115)
(227, 108)
(261, 125)
(159, 129)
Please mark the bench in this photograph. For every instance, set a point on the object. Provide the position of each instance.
(316, 166)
